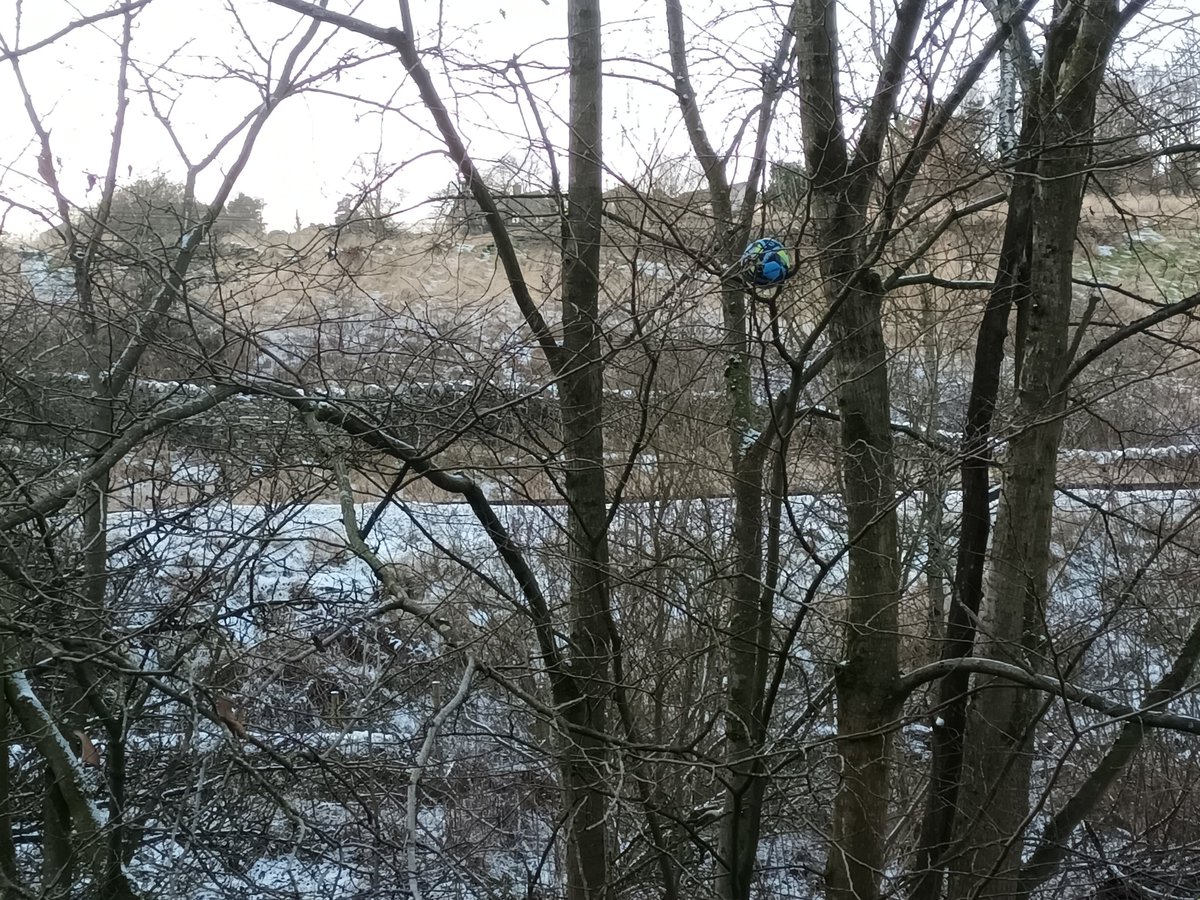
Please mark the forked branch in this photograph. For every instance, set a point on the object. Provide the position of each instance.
(404, 43)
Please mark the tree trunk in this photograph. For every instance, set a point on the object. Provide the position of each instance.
(1001, 724)
(581, 385)
(869, 666)
(937, 567)
(995, 793)
(1012, 281)
(58, 863)
(8, 849)
(840, 189)
(743, 725)
(750, 604)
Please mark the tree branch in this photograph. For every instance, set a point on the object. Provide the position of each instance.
(951, 284)
(711, 162)
(1146, 716)
(404, 43)
(379, 437)
(89, 822)
(1132, 159)
(143, 334)
(865, 164)
(766, 117)
(895, 279)
(1137, 326)
(945, 114)
(124, 9)
(418, 769)
(56, 497)
(1053, 846)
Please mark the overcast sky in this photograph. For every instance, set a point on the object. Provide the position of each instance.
(306, 158)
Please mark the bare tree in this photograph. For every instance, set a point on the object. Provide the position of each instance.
(115, 332)
(577, 566)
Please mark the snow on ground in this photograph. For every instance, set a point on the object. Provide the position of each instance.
(246, 564)
(256, 559)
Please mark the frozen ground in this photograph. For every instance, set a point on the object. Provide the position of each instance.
(259, 582)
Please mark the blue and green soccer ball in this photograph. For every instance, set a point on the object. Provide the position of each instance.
(766, 262)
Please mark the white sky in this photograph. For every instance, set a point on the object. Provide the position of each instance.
(306, 157)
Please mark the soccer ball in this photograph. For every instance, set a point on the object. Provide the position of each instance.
(766, 262)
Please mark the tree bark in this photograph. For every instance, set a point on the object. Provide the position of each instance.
(869, 667)
(1012, 281)
(1001, 722)
(581, 387)
(840, 189)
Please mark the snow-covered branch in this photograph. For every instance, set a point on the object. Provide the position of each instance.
(88, 820)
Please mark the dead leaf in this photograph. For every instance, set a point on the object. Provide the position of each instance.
(88, 754)
(227, 714)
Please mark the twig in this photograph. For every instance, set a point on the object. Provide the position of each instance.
(419, 766)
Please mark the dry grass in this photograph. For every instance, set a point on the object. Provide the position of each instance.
(283, 278)
(437, 289)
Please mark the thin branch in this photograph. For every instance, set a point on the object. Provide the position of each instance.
(56, 497)
(126, 9)
(928, 139)
(1052, 848)
(395, 590)
(895, 279)
(121, 371)
(1121, 162)
(379, 437)
(421, 764)
(1137, 326)
(547, 145)
(83, 264)
(1131, 9)
(766, 117)
(46, 166)
(1148, 716)
(1081, 329)
(952, 284)
(402, 41)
